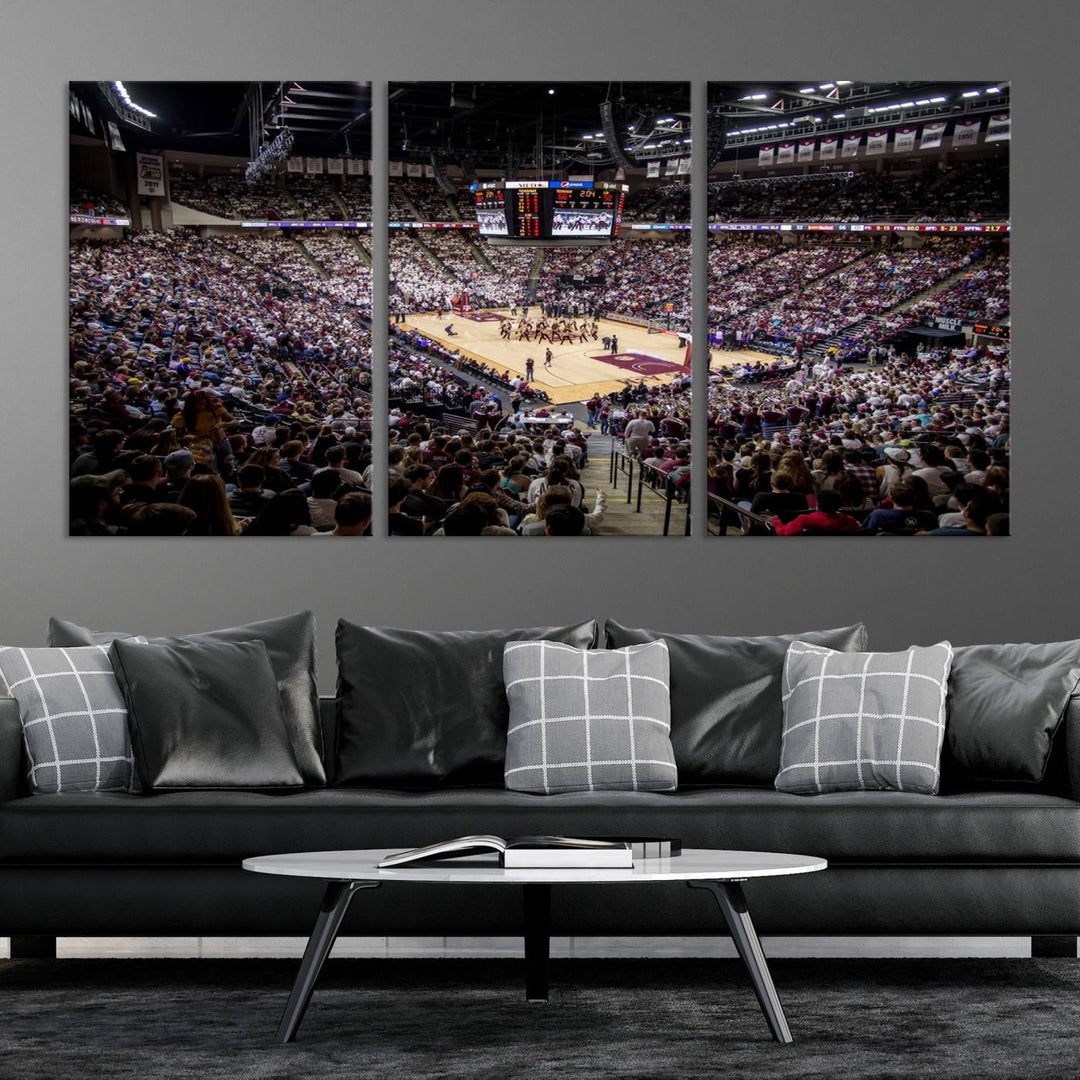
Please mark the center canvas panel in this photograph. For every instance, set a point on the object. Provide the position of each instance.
(540, 279)
(220, 309)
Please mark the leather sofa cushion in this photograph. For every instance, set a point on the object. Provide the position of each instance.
(205, 715)
(290, 644)
(726, 710)
(227, 826)
(1004, 706)
(426, 709)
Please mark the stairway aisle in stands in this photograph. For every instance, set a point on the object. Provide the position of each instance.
(621, 516)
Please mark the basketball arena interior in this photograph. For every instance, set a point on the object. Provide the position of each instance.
(539, 281)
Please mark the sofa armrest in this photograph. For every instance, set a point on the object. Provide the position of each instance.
(11, 750)
(1072, 744)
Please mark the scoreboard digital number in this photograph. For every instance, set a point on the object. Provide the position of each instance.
(563, 211)
(528, 218)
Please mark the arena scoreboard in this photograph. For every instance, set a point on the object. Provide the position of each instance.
(557, 212)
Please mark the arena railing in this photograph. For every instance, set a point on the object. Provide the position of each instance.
(624, 464)
(673, 493)
(621, 463)
(751, 523)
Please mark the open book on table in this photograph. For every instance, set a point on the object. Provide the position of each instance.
(521, 852)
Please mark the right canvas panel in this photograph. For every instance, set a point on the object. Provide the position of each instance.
(859, 331)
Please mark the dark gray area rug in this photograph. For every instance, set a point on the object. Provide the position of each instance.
(210, 1019)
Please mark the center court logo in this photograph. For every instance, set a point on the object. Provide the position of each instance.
(639, 363)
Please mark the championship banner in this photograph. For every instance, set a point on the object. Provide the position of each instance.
(877, 142)
(785, 154)
(670, 166)
(806, 149)
(294, 164)
(652, 170)
(931, 135)
(429, 171)
(998, 128)
(764, 155)
(397, 168)
(73, 104)
(414, 168)
(903, 140)
(335, 166)
(966, 132)
(851, 145)
(828, 148)
(313, 165)
(354, 167)
(88, 118)
(151, 171)
(684, 166)
(114, 137)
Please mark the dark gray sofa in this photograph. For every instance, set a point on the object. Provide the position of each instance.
(994, 862)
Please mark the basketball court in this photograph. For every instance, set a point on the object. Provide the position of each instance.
(577, 370)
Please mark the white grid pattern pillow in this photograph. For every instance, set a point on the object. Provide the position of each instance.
(74, 719)
(863, 721)
(588, 719)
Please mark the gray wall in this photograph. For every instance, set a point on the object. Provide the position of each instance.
(1022, 588)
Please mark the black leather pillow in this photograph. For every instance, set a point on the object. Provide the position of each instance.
(427, 709)
(1005, 704)
(726, 710)
(205, 715)
(290, 645)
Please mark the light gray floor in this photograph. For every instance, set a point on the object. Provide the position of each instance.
(213, 947)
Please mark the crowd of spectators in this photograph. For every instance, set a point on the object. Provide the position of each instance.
(868, 285)
(228, 195)
(96, 203)
(355, 198)
(981, 295)
(418, 199)
(188, 365)
(660, 203)
(505, 481)
(431, 269)
(910, 445)
(955, 191)
(281, 197)
(748, 272)
(417, 281)
(342, 259)
(795, 297)
(641, 277)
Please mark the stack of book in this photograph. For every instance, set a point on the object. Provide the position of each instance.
(536, 852)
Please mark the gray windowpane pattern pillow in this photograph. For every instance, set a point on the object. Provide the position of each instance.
(588, 719)
(73, 717)
(859, 721)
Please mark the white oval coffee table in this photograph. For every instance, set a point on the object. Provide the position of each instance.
(721, 872)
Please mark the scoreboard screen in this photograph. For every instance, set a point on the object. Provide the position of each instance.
(491, 213)
(563, 212)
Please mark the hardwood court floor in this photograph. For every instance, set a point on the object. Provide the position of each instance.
(576, 371)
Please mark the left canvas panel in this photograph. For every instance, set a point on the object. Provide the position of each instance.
(220, 308)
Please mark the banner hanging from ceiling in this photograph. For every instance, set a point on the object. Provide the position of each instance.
(903, 140)
(151, 173)
(932, 135)
(998, 128)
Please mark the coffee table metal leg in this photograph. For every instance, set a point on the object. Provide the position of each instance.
(334, 905)
(732, 903)
(537, 904)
